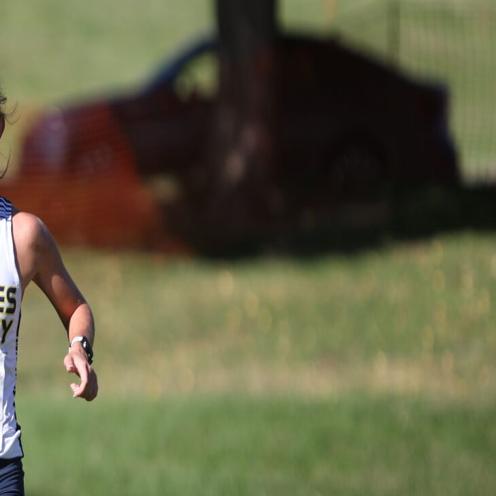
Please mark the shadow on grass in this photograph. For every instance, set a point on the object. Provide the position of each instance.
(412, 214)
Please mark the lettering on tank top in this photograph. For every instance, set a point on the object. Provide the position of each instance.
(8, 305)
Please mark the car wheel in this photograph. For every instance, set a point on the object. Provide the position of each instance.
(357, 171)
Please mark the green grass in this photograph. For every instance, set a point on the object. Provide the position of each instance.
(53, 50)
(218, 445)
(364, 374)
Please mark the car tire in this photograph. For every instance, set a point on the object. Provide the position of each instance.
(357, 170)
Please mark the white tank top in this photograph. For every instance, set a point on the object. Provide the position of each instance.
(10, 316)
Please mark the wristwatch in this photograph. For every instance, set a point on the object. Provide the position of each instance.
(86, 346)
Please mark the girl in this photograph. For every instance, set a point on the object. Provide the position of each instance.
(29, 253)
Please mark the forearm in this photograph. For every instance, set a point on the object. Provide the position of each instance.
(81, 323)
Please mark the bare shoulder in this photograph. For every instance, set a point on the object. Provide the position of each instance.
(32, 242)
(29, 231)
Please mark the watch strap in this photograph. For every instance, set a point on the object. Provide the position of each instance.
(86, 346)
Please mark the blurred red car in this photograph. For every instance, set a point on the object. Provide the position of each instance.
(347, 125)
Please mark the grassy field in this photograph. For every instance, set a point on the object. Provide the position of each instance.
(370, 373)
(365, 374)
(413, 318)
(218, 445)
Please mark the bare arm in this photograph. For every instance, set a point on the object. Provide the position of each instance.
(39, 260)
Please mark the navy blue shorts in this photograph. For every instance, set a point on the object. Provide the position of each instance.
(11, 477)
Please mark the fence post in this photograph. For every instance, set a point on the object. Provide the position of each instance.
(394, 32)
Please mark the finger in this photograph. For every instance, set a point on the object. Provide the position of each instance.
(77, 391)
(94, 388)
(83, 374)
(88, 394)
(69, 364)
(91, 390)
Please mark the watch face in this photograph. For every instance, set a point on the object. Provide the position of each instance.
(86, 346)
(88, 349)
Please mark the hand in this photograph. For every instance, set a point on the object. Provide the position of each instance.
(76, 362)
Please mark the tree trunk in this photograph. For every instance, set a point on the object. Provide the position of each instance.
(244, 146)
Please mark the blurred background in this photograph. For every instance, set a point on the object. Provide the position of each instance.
(282, 214)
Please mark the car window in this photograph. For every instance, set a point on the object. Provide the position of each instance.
(199, 77)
